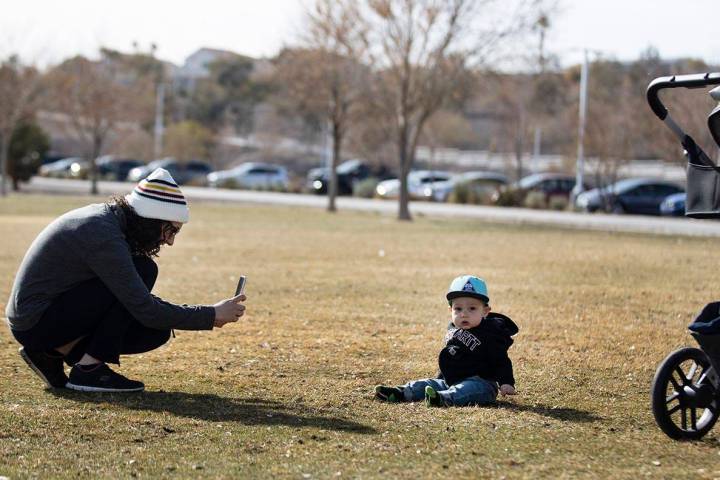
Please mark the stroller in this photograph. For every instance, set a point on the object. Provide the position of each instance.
(686, 389)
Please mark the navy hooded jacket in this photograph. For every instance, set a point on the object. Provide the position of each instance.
(480, 351)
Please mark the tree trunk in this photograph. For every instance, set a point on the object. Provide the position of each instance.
(333, 184)
(520, 142)
(97, 146)
(404, 197)
(4, 148)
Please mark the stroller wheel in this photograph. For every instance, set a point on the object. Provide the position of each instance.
(684, 401)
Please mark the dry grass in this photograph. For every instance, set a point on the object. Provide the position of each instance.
(287, 392)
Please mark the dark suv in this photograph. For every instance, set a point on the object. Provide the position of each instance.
(349, 173)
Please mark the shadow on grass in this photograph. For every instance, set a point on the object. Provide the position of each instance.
(558, 413)
(213, 408)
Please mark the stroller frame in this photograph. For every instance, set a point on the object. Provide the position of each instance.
(685, 393)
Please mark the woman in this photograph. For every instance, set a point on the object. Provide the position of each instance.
(82, 293)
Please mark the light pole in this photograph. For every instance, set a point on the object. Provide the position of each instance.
(159, 115)
(159, 127)
(536, 150)
(580, 162)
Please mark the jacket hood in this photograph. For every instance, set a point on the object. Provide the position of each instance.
(502, 323)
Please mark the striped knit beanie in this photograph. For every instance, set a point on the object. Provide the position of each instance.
(158, 196)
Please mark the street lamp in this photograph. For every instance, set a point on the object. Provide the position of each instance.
(580, 162)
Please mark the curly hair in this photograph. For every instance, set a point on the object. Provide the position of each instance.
(144, 235)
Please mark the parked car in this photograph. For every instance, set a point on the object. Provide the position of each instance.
(109, 168)
(50, 158)
(673, 205)
(632, 195)
(190, 172)
(62, 168)
(481, 185)
(349, 173)
(550, 185)
(251, 175)
(421, 185)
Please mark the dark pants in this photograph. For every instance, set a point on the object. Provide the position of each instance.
(91, 311)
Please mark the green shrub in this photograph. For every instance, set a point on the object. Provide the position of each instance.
(510, 198)
(472, 193)
(558, 202)
(28, 144)
(460, 193)
(365, 188)
(535, 200)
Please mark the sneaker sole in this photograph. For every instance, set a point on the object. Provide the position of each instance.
(430, 399)
(86, 388)
(37, 371)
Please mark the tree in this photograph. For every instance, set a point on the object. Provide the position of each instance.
(19, 86)
(188, 140)
(97, 97)
(228, 95)
(324, 80)
(326, 94)
(688, 108)
(28, 145)
(609, 130)
(421, 51)
(446, 128)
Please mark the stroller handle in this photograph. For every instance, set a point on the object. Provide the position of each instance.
(696, 80)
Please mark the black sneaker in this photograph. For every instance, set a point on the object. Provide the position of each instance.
(47, 365)
(99, 378)
(389, 394)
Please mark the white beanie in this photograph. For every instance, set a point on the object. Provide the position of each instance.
(158, 196)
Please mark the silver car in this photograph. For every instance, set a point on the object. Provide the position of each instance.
(251, 175)
(421, 185)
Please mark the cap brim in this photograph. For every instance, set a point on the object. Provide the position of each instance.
(452, 295)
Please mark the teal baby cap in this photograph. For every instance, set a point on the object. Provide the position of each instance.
(468, 286)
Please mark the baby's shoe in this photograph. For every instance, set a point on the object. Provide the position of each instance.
(433, 398)
(389, 394)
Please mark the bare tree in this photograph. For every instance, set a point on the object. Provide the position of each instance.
(324, 78)
(96, 99)
(421, 51)
(18, 88)
(610, 126)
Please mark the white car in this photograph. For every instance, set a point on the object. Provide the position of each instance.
(421, 185)
(251, 175)
(63, 168)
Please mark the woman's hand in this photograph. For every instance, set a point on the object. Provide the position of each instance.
(230, 310)
(506, 389)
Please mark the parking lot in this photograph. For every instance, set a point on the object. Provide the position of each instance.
(601, 222)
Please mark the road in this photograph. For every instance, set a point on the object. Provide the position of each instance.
(601, 222)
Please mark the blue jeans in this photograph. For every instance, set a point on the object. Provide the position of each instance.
(471, 391)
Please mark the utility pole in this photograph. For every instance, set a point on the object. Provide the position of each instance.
(3, 165)
(536, 150)
(159, 116)
(580, 164)
(159, 128)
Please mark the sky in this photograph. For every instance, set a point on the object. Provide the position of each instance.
(46, 31)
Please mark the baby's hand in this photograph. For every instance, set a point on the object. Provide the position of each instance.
(506, 389)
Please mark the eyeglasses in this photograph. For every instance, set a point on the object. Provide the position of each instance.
(170, 230)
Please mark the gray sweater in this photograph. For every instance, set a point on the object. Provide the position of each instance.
(81, 245)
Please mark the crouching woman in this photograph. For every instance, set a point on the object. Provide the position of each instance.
(82, 297)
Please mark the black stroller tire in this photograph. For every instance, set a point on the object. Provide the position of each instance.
(672, 411)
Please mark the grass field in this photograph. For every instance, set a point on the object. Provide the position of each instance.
(339, 303)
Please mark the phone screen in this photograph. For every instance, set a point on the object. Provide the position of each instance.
(240, 286)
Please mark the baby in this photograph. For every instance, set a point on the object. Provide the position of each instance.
(474, 360)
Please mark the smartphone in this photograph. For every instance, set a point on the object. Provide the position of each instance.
(240, 286)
